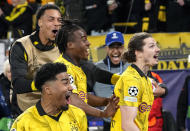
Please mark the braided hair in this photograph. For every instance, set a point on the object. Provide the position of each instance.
(66, 34)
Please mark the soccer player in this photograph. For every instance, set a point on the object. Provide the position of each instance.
(29, 53)
(52, 112)
(73, 45)
(134, 87)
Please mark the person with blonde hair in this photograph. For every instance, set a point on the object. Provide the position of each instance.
(6, 90)
(9, 108)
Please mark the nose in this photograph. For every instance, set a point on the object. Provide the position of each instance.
(70, 88)
(158, 49)
(88, 43)
(57, 23)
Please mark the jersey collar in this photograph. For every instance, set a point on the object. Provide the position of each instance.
(70, 60)
(42, 112)
(138, 70)
(38, 44)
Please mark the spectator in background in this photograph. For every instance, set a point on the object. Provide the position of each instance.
(183, 107)
(20, 18)
(155, 121)
(6, 90)
(11, 109)
(53, 112)
(114, 47)
(96, 14)
(74, 9)
(8, 103)
(6, 8)
(31, 52)
(178, 16)
(154, 16)
(127, 16)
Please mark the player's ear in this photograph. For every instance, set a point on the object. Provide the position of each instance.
(39, 22)
(70, 45)
(47, 89)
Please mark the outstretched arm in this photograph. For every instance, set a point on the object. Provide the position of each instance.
(107, 112)
(97, 101)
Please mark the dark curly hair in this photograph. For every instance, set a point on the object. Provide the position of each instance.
(66, 34)
(48, 72)
(135, 43)
(42, 9)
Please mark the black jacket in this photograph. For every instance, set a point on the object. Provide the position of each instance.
(6, 89)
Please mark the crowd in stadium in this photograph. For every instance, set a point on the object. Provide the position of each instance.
(127, 16)
(48, 83)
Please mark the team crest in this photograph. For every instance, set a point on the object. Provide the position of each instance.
(13, 129)
(133, 91)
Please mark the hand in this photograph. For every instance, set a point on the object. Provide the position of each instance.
(1, 12)
(112, 107)
(158, 91)
(181, 2)
(147, 6)
(112, 6)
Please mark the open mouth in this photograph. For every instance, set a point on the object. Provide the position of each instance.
(88, 50)
(156, 56)
(67, 96)
(116, 57)
(55, 31)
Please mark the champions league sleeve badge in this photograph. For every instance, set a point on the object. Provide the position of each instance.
(71, 79)
(133, 91)
(72, 82)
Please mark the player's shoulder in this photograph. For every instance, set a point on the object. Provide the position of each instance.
(76, 110)
(26, 115)
(99, 62)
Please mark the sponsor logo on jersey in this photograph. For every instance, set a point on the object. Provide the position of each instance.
(144, 107)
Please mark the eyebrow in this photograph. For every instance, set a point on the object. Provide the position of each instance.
(52, 16)
(64, 79)
(153, 43)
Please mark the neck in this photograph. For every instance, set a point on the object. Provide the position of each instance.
(44, 41)
(144, 68)
(75, 59)
(49, 106)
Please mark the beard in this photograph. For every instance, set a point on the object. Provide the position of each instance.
(65, 108)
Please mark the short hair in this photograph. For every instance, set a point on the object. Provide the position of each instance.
(66, 33)
(48, 72)
(6, 64)
(135, 43)
(42, 9)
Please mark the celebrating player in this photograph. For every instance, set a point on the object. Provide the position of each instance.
(134, 88)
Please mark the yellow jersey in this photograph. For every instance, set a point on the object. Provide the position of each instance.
(35, 119)
(135, 90)
(78, 78)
